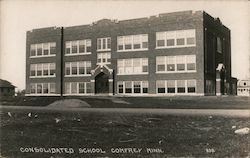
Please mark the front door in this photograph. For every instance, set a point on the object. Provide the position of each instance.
(102, 83)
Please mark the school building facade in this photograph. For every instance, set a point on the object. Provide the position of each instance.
(180, 53)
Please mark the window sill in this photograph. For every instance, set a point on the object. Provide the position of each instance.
(42, 94)
(78, 75)
(134, 74)
(103, 50)
(76, 54)
(171, 72)
(166, 47)
(42, 56)
(42, 76)
(132, 50)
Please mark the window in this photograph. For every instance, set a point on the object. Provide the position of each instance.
(45, 88)
(120, 87)
(43, 49)
(39, 69)
(82, 68)
(160, 86)
(170, 63)
(104, 44)
(191, 84)
(171, 86)
(39, 49)
(52, 67)
(81, 87)
(33, 70)
(132, 87)
(32, 88)
(191, 62)
(77, 68)
(42, 88)
(33, 50)
(42, 70)
(67, 68)
(67, 88)
(78, 47)
(178, 38)
(132, 42)
(74, 45)
(190, 37)
(132, 66)
(45, 69)
(52, 48)
(160, 64)
(137, 87)
(128, 87)
(171, 36)
(88, 87)
(144, 86)
(68, 47)
(176, 86)
(181, 63)
(180, 86)
(219, 45)
(88, 67)
(52, 88)
(74, 68)
(144, 65)
(82, 46)
(39, 88)
(160, 39)
(103, 58)
(74, 87)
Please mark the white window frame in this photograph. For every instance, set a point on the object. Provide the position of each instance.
(77, 88)
(106, 44)
(122, 38)
(132, 87)
(49, 88)
(42, 66)
(132, 68)
(177, 34)
(107, 56)
(77, 63)
(39, 56)
(176, 86)
(175, 63)
(68, 44)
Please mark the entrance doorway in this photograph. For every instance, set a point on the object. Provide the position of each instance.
(101, 83)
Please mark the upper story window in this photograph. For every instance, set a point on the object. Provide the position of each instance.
(42, 70)
(103, 58)
(81, 68)
(43, 49)
(132, 66)
(132, 42)
(219, 45)
(173, 39)
(104, 44)
(78, 47)
(181, 63)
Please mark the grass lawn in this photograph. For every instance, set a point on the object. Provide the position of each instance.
(172, 136)
(167, 102)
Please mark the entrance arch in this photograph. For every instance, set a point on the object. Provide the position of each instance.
(102, 83)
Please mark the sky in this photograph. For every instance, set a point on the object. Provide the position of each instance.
(17, 17)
